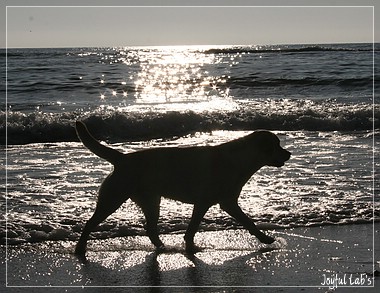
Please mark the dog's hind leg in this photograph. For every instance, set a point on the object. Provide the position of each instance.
(198, 212)
(233, 209)
(109, 200)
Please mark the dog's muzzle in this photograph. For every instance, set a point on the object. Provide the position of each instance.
(283, 157)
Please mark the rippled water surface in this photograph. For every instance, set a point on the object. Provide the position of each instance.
(52, 187)
(317, 98)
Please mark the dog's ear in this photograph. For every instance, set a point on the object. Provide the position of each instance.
(265, 143)
(266, 148)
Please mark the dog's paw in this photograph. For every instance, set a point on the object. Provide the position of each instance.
(266, 239)
(81, 257)
(279, 243)
(192, 249)
(80, 253)
(161, 249)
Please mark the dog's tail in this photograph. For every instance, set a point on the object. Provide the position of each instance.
(107, 153)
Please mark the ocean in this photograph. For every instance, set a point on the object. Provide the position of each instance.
(319, 100)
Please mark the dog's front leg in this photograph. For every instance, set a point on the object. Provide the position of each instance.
(198, 212)
(235, 211)
(151, 210)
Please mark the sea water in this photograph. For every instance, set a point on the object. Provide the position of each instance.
(319, 100)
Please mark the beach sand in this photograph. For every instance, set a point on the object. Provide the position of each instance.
(301, 260)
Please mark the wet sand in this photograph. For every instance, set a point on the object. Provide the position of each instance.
(302, 259)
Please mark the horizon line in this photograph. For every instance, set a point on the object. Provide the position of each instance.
(191, 45)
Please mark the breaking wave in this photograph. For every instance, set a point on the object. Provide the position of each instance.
(115, 124)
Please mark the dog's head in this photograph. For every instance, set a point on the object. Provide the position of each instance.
(269, 146)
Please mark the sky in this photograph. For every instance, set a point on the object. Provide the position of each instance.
(31, 27)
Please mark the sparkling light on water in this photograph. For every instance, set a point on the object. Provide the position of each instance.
(52, 186)
(170, 76)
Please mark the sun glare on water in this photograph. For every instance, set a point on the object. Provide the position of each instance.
(174, 78)
(176, 75)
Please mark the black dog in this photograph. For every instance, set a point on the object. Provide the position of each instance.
(202, 176)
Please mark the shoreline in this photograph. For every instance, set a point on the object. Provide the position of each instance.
(339, 257)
